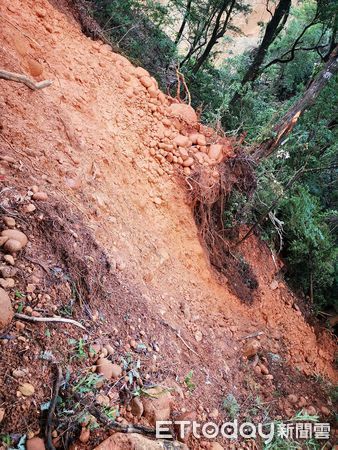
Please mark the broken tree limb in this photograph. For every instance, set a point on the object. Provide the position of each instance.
(49, 319)
(51, 410)
(19, 78)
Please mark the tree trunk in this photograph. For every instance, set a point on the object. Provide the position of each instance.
(290, 118)
(273, 28)
(184, 22)
(218, 32)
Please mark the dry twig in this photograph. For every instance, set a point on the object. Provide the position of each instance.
(19, 78)
(49, 319)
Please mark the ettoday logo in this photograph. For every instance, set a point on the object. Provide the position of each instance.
(247, 430)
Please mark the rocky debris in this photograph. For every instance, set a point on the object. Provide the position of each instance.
(6, 310)
(8, 272)
(2, 414)
(274, 285)
(13, 240)
(40, 196)
(35, 443)
(136, 407)
(26, 389)
(157, 404)
(7, 283)
(9, 260)
(84, 435)
(198, 336)
(324, 410)
(251, 348)
(107, 369)
(293, 399)
(120, 441)
(189, 416)
(9, 222)
(29, 208)
(183, 111)
(102, 399)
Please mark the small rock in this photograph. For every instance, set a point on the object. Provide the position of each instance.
(84, 435)
(35, 443)
(17, 373)
(109, 349)
(137, 407)
(157, 406)
(189, 416)
(102, 400)
(311, 410)
(8, 272)
(214, 414)
(257, 370)
(302, 402)
(198, 336)
(274, 285)
(7, 283)
(26, 389)
(105, 368)
(117, 371)
(9, 259)
(264, 369)
(2, 414)
(215, 151)
(29, 208)
(323, 409)
(12, 246)
(293, 399)
(251, 348)
(40, 196)
(9, 222)
(16, 235)
(6, 310)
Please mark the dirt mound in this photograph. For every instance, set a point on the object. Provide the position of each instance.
(116, 247)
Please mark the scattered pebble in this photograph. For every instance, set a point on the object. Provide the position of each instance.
(40, 196)
(26, 389)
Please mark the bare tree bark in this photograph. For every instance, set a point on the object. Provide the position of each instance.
(290, 118)
(273, 28)
(218, 32)
(184, 22)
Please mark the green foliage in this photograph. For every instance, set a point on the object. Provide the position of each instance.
(188, 381)
(310, 253)
(231, 406)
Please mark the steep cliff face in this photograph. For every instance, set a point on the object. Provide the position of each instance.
(114, 155)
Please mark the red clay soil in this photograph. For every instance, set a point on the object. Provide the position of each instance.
(118, 221)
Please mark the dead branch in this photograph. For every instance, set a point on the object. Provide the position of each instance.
(49, 319)
(112, 424)
(19, 78)
(49, 422)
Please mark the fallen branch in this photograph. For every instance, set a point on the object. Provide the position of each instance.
(49, 422)
(112, 424)
(19, 78)
(49, 319)
(178, 334)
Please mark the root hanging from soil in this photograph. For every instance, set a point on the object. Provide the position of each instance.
(209, 198)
